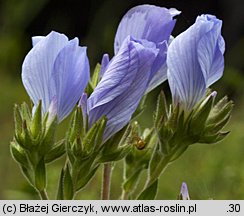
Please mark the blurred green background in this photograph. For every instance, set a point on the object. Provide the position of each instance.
(211, 171)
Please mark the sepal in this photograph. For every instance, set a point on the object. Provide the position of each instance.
(94, 80)
(36, 123)
(161, 113)
(199, 117)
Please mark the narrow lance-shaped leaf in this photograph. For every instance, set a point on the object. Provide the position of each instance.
(19, 154)
(57, 151)
(36, 124)
(40, 175)
(68, 188)
(17, 120)
(150, 192)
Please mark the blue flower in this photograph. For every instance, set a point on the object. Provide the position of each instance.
(55, 71)
(122, 86)
(149, 23)
(184, 194)
(195, 61)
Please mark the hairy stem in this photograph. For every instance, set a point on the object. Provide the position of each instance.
(43, 194)
(124, 195)
(107, 169)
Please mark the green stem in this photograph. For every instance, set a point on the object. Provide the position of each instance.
(125, 195)
(43, 194)
(162, 165)
(107, 169)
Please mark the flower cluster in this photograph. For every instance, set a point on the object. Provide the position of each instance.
(56, 75)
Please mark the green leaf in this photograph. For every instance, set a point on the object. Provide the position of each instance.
(19, 154)
(28, 141)
(213, 138)
(27, 175)
(68, 188)
(77, 149)
(130, 183)
(76, 127)
(84, 179)
(116, 155)
(180, 150)
(56, 152)
(40, 175)
(150, 192)
(60, 192)
(49, 136)
(94, 135)
(154, 162)
(122, 136)
(100, 132)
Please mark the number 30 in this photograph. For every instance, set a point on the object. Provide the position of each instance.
(234, 208)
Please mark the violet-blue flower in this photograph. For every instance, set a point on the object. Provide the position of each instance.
(55, 71)
(122, 86)
(149, 23)
(195, 60)
(184, 194)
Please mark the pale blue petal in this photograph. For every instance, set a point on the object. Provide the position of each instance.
(104, 64)
(123, 107)
(195, 60)
(210, 51)
(159, 77)
(36, 39)
(147, 22)
(174, 12)
(186, 78)
(120, 109)
(37, 68)
(159, 68)
(184, 192)
(118, 77)
(160, 61)
(173, 89)
(71, 75)
(83, 103)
